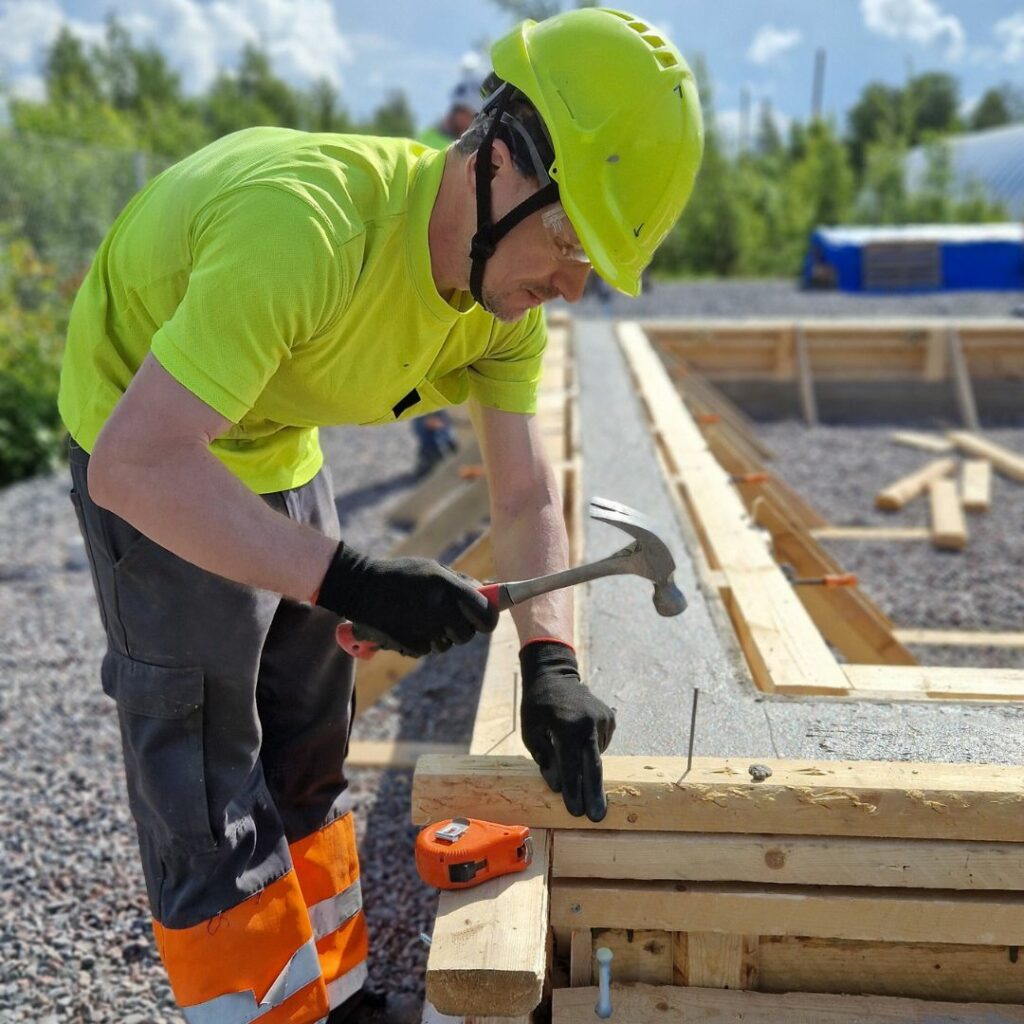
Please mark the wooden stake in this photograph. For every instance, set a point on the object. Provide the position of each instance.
(949, 528)
(977, 485)
(897, 494)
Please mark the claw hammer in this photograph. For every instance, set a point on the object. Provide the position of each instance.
(647, 556)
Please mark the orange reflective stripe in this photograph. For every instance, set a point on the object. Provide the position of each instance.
(327, 861)
(344, 949)
(327, 866)
(243, 949)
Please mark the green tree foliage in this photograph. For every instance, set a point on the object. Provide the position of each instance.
(393, 117)
(1001, 105)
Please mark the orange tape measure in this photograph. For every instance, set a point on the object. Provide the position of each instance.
(462, 852)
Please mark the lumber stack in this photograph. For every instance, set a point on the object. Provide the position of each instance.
(844, 879)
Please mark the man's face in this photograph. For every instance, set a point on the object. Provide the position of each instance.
(538, 260)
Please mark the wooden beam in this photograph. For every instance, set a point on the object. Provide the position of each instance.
(805, 378)
(463, 975)
(842, 798)
(962, 381)
(437, 487)
(949, 527)
(892, 915)
(395, 755)
(640, 954)
(671, 1004)
(1008, 463)
(960, 637)
(871, 533)
(788, 860)
(926, 442)
(581, 952)
(897, 494)
(922, 971)
(464, 511)
(782, 644)
(976, 485)
(717, 960)
(931, 682)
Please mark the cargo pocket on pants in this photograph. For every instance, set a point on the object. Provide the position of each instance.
(161, 714)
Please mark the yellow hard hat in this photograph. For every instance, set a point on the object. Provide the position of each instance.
(620, 104)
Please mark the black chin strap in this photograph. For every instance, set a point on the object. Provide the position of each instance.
(488, 234)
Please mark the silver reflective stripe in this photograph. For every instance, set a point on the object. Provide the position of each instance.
(346, 986)
(241, 1007)
(342, 805)
(330, 914)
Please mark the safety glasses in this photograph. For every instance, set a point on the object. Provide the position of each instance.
(563, 237)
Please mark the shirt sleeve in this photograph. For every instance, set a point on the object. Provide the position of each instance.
(265, 277)
(507, 377)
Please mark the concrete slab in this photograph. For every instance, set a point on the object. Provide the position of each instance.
(647, 667)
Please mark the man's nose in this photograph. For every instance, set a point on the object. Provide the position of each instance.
(570, 281)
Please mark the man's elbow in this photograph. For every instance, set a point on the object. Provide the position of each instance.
(105, 472)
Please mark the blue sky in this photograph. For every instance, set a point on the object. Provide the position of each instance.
(763, 46)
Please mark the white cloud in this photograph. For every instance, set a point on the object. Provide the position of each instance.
(771, 42)
(1010, 33)
(920, 21)
(302, 37)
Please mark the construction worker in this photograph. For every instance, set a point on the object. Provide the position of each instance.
(275, 282)
(434, 434)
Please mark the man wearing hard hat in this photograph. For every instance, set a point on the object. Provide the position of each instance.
(276, 282)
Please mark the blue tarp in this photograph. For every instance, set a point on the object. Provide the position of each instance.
(988, 257)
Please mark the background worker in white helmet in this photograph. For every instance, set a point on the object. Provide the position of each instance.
(275, 282)
(434, 433)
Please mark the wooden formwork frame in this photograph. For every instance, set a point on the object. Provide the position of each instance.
(832, 878)
(785, 635)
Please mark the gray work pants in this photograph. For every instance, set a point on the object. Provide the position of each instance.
(235, 707)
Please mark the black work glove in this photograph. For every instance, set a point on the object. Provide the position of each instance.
(411, 605)
(565, 727)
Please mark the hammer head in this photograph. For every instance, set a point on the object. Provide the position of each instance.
(657, 563)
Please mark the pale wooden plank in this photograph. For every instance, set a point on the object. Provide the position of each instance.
(949, 527)
(437, 487)
(394, 754)
(932, 681)
(977, 485)
(805, 378)
(962, 380)
(925, 442)
(642, 1004)
(961, 637)
(485, 958)
(466, 507)
(922, 971)
(851, 798)
(639, 955)
(782, 644)
(717, 960)
(1008, 463)
(908, 487)
(788, 860)
(897, 915)
(581, 952)
(871, 533)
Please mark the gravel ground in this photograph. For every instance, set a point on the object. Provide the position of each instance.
(75, 939)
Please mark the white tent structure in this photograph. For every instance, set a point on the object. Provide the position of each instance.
(993, 159)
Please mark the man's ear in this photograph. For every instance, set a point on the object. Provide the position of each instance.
(501, 162)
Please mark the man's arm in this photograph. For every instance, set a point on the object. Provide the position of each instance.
(153, 467)
(528, 535)
(565, 727)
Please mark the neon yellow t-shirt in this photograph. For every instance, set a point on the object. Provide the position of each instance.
(284, 279)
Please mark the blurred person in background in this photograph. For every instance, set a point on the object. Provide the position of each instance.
(435, 437)
(273, 283)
